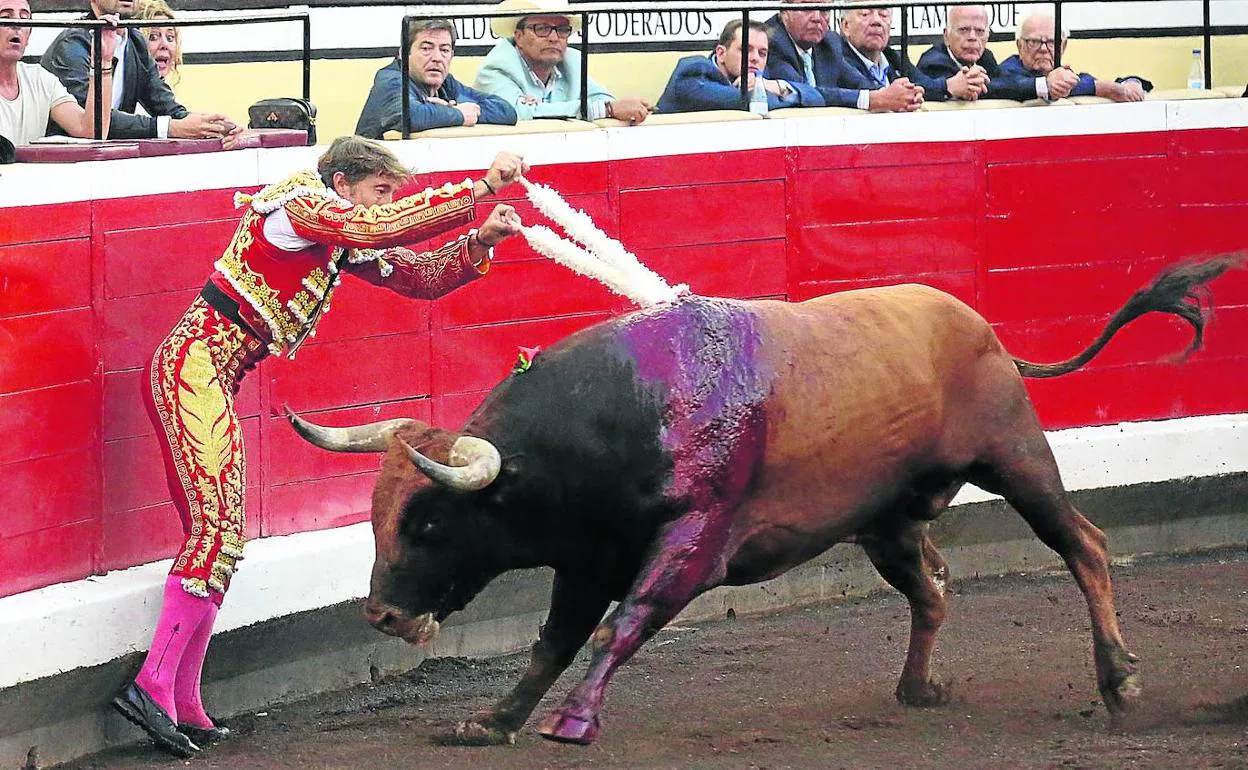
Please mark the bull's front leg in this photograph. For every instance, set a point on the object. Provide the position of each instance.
(577, 603)
(687, 560)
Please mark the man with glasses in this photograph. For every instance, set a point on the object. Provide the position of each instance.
(529, 67)
(1034, 61)
(436, 98)
(965, 49)
(871, 65)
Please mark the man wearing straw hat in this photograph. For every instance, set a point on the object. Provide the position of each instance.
(530, 68)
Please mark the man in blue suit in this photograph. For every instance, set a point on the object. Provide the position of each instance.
(1034, 62)
(714, 82)
(964, 47)
(803, 50)
(437, 99)
(873, 66)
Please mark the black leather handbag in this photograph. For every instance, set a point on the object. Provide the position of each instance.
(284, 112)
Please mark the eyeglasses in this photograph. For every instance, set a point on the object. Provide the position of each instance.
(564, 31)
(1036, 43)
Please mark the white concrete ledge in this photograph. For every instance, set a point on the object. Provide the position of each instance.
(35, 184)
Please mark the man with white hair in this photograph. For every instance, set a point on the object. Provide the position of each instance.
(530, 69)
(965, 46)
(1035, 60)
(871, 65)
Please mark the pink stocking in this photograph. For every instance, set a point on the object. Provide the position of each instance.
(186, 685)
(180, 615)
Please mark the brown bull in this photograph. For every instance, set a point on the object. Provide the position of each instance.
(711, 442)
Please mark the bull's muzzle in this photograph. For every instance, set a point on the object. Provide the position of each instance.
(395, 622)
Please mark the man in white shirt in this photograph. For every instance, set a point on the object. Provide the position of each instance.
(30, 95)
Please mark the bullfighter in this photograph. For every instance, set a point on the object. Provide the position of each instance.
(270, 288)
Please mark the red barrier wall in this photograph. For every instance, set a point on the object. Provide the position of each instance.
(1046, 237)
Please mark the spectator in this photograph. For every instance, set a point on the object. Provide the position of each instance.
(873, 66)
(804, 50)
(1034, 60)
(965, 47)
(714, 82)
(136, 81)
(163, 43)
(530, 69)
(437, 99)
(30, 95)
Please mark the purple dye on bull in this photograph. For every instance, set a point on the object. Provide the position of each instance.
(706, 357)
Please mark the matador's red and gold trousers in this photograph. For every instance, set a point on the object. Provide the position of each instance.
(190, 391)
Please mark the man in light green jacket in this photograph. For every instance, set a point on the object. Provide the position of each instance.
(530, 68)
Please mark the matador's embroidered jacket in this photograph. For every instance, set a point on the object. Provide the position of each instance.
(282, 294)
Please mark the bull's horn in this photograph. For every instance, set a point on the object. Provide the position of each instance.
(475, 463)
(372, 437)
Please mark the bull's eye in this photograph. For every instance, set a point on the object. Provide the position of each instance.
(427, 530)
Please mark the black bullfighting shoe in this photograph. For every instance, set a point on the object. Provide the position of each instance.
(137, 706)
(205, 736)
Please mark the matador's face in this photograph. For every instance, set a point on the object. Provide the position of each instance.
(372, 190)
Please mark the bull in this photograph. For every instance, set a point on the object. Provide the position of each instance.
(659, 454)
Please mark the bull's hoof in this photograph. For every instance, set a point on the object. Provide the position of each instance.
(566, 728)
(472, 732)
(1123, 685)
(923, 694)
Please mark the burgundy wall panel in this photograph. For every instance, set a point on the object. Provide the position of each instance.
(290, 459)
(1063, 148)
(134, 474)
(49, 421)
(1031, 239)
(359, 309)
(884, 249)
(149, 260)
(880, 155)
(682, 216)
(476, 358)
(741, 270)
(48, 492)
(879, 195)
(143, 535)
(125, 415)
(318, 504)
(1079, 187)
(715, 168)
(134, 326)
(1064, 291)
(48, 349)
(48, 556)
(526, 290)
(1049, 236)
(28, 268)
(960, 285)
(352, 373)
(45, 223)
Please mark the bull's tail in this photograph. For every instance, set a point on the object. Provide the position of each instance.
(1180, 290)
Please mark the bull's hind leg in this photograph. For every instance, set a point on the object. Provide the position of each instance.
(906, 558)
(1021, 468)
(686, 560)
(577, 603)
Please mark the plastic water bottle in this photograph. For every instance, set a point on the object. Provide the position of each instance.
(1196, 75)
(758, 97)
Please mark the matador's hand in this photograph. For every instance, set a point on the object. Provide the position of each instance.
(506, 169)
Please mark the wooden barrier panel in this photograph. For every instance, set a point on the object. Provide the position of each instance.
(1046, 236)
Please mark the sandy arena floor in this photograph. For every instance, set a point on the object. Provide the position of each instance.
(813, 688)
